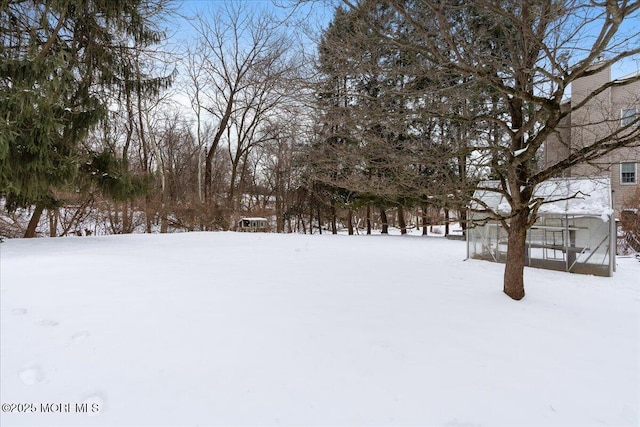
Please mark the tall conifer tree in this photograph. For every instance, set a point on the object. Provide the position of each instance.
(61, 63)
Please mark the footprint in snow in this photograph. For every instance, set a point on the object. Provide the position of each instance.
(80, 335)
(48, 323)
(31, 375)
(19, 311)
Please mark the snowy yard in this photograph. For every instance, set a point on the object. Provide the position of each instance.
(265, 329)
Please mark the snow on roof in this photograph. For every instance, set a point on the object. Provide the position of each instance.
(257, 218)
(629, 76)
(572, 196)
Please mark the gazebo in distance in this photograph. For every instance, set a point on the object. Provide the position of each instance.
(253, 224)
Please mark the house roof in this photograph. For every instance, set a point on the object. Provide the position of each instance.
(629, 76)
(566, 196)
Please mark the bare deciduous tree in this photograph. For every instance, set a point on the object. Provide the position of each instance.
(494, 74)
(239, 70)
(527, 54)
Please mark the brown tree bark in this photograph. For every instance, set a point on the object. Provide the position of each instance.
(53, 222)
(279, 205)
(424, 220)
(385, 221)
(33, 222)
(446, 222)
(402, 223)
(126, 225)
(149, 213)
(334, 225)
(514, 267)
(462, 214)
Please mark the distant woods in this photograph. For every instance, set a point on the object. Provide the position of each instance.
(393, 119)
(94, 141)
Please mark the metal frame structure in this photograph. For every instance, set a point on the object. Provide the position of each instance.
(574, 234)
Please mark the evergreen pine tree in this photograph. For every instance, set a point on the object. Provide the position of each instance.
(61, 64)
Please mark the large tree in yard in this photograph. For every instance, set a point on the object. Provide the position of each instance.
(524, 55)
(61, 65)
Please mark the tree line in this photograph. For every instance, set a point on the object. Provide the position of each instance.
(403, 110)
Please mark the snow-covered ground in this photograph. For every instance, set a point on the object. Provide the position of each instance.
(265, 329)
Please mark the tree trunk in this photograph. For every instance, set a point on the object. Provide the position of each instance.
(424, 220)
(208, 167)
(334, 226)
(53, 222)
(369, 219)
(126, 226)
(164, 221)
(514, 267)
(446, 222)
(208, 173)
(231, 206)
(350, 222)
(310, 215)
(33, 222)
(279, 212)
(385, 221)
(462, 214)
(401, 220)
(150, 212)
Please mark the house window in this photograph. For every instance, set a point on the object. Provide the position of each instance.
(628, 173)
(628, 115)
